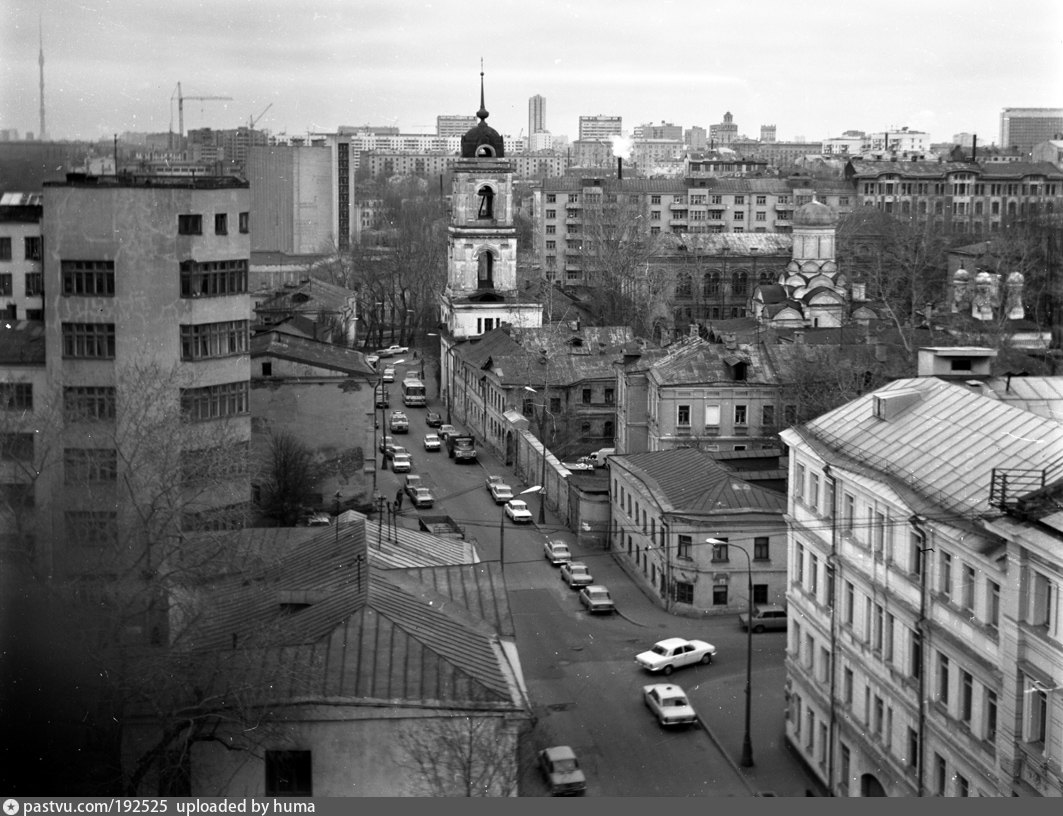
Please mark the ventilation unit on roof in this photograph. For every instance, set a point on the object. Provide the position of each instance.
(893, 403)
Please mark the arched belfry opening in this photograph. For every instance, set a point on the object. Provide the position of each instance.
(485, 270)
(486, 196)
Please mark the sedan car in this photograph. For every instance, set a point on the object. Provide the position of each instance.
(386, 443)
(673, 653)
(399, 422)
(433, 419)
(421, 497)
(669, 704)
(769, 617)
(393, 449)
(518, 511)
(580, 464)
(597, 599)
(499, 490)
(560, 769)
(389, 374)
(391, 351)
(446, 430)
(576, 574)
(556, 551)
(401, 461)
(432, 442)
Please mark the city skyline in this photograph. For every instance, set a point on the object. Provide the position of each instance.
(811, 73)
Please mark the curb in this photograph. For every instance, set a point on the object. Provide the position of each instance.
(726, 756)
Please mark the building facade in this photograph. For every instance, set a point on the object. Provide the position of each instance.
(1022, 128)
(600, 127)
(293, 200)
(536, 115)
(925, 645)
(21, 277)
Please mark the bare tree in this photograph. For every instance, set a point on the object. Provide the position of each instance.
(464, 755)
(288, 480)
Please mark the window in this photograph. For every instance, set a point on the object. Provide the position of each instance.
(684, 545)
(740, 201)
(740, 415)
(915, 656)
(844, 772)
(190, 225)
(87, 465)
(989, 731)
(551, 213)
(221, 224)
(966, 696)
(5, 248)
(609, 396)
(586, 396)
(767, 417)
(213, 278)
(963, 787)
(887, 649)
(943, 679)
(847, 687)
(1040, 600)
(6, 284)
(88, 341)
(1036, 714)
(92, 528)
(551, 198)
(850, 603)
(682, 419)
(34, 283)
(945, 574)
(719, 595)
(33, 247)
(719, 551)
(88, 403)
(289, 773)
(992, 614)
(214, 401)
(760, 549)
(760, 593)
(878, 716)
(209, 340)
(940, 775)
(244, 220)
(16, 447)
(813, 575)
(813, 491)
(799, 483)
(912, 758)
(684, 592)
(967, 587)
(88, 278)
(16, 396)
(877, 625)
(915, 560)
(848, 513)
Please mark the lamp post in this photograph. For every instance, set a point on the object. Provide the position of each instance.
(502, 528)
(746, 760)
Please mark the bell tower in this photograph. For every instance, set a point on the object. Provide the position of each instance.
(481, 292)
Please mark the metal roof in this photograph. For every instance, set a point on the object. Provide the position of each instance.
(311, 352)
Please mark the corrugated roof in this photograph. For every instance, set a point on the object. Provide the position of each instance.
(697, 362)
(945, 444)
(687, 480)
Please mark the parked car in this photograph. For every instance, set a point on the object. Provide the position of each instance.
(446, 430)
(399, 422)
(401, 462)
(499, 490)
(669, 704)
(421, 497)
(393, 449)
(432, 442)
(576, 574)
(561, 770)
(596, 598)
(518, 511)
(391, 351)
(674, 653)
(767, 617)
(583, 463)
(433, 419)
(556, 551)
(600, 455)
(389, 374)
(386, 442)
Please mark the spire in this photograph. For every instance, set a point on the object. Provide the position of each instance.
(482, 113)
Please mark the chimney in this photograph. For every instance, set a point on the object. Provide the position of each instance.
(974, 148)
(619, 168)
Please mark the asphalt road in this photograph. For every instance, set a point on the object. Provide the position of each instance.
(580, 669)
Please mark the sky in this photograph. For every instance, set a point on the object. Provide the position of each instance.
(813, 69)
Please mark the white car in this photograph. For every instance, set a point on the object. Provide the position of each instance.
(669, 704)
(389, 374)
(432, 442)
(499, 490)
(576, 574)
(674, 653)
(401, 461)
(556, 551)
(445, 430)
(391, 351)
(518, 511)
(421, 497)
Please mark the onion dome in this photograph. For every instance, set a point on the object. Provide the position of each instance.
(482, 140)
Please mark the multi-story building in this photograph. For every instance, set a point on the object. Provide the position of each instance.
(723, 133)
(925, 640)
(967, 197)
(454, 125)
(664, 130)
(147, 320)
(901, 143)
(850, 143)
(696, 138)
(21, 279)
(599, 127)
(294, 198)
(536, 115)
(1022, 128)
(767, 133)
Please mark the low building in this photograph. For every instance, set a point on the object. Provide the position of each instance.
(678, 517)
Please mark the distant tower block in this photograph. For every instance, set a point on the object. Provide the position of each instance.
(767, 133)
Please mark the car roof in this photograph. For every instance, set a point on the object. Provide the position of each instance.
(666, 689)
(560, 752)
(770, 608)
(671, 642)
(593, 587)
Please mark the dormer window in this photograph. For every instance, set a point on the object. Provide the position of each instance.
(487, 202)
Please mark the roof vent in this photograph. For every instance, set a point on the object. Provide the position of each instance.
(893, 403)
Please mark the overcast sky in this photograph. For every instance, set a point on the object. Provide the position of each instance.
(812, 68)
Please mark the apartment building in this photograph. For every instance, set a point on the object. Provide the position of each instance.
(600, 127)
(1022, 128)
(21, 280)
(925, 639)
(147, 320)
(294, 200)
(965, 197)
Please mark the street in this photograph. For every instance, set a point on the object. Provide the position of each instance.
(585, 686)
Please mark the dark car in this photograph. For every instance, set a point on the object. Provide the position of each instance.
(432, 419)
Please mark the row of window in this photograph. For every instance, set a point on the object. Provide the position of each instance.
(871, 188)
(32, 248)
(695, 200)
(192, 224)
(97, 279)
(200, 341)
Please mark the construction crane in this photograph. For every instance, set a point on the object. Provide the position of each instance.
(181, 106)
(253, 120)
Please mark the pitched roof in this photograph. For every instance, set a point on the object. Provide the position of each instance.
(297, 349)
(696, 361)
(943, 442)
(687, 480)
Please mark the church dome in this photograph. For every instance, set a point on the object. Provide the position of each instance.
(481, 140)
(815, 214)
(961, 274)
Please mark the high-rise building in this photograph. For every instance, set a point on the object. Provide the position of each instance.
(536, 115)
(454, 125)
(293, 200)
(1022, 128)
(599, 127)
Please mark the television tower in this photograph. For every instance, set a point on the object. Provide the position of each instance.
(40, 61)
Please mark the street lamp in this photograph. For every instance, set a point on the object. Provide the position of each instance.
(502, 527)
(747, 745)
